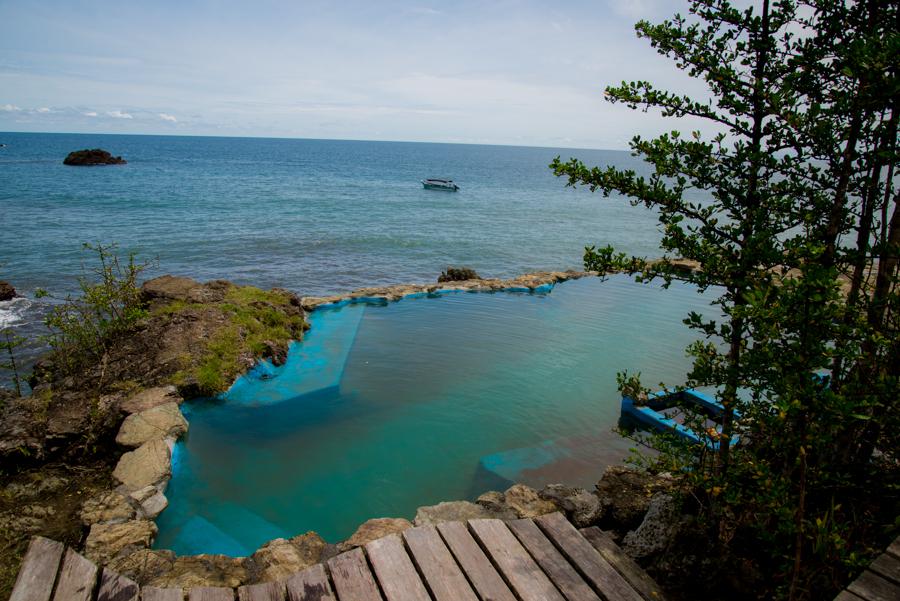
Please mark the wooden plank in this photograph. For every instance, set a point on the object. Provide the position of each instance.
(596, 570)
(475, 564)
(352, 578)
(624, 565)
(310, 585)
(153, 593)
(443, 576)
(894, 548)
(77, 578)
(563, 575)
(847, 596)
(887, 566)
(395, 571)
(38, 571)
(211, 593)
(266, 591)
(115, 587)
(513, 561)
(872, 587)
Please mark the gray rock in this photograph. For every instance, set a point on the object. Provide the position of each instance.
(457, 511)
(106, 541)
(625, 493)
(108, 507)
(656, 532)
(146, 465)
(150, 398)
(154, 505)
(581, 507)
(162, 421)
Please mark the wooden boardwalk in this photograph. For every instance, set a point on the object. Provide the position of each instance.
(880, 582)
(540, 559)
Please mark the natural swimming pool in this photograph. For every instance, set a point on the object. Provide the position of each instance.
(382, 409)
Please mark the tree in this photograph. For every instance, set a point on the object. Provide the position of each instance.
(805, 100)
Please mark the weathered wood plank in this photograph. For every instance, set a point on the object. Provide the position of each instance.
(443, 576)
(266, 591)
(475, 564)
(596, 570)
(153, 593)
(77, 578)
(513, 561)
(395, 571)
(115, 587)
(624, 565)
(352, 577)
(560, 571)
(310, 585)
(211, 593)
(894, 548)
(887, 566)
(872, 587)
(847, 596)
(38, 571)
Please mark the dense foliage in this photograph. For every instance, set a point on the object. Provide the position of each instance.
(801, 234)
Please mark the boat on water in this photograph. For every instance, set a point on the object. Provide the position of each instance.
(440, 184)
(681, 413)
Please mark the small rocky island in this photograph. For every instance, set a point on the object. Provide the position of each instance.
(95, 156)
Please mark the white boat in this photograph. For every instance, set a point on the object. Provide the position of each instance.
(440, 184)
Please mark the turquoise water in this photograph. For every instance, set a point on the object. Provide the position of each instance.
(420, 401)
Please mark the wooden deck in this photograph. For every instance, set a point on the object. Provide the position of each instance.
(880, 582)
(540, 559)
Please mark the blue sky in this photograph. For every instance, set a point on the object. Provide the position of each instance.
(507, 72)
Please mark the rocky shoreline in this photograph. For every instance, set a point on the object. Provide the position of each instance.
(134, 419)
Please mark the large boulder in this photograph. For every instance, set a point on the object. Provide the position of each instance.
(108, 507)
(147, 465)
(281, 558)
(373, 530)
(458, 511)
(106, 541)
(90, 157)
(150, 398)
(7, 292)
(162, 421)
(526, 502)
(658, 529)
(582, 508)
(625, 494)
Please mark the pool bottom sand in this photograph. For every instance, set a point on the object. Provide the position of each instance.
(382, 409)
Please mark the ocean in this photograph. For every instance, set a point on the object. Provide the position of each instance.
(312, 216)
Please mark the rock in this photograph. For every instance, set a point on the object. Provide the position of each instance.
(526, 502)
(280, 558)
(88, 157)
(581, 507)
(625, 494)
(458, 274)
(146, 465)
(107, 507)
(106, 541)
(47, 485)
(201, 570)
(492, 500)
(162, 421)
(143, 565)
(374, 529)
(656, 532)
(171, 287)
(7, 292)
(150, 398)
(457, 511)
(154, 505)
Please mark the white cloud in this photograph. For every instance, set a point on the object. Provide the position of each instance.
(44, 109)
(120, 115)
(168, 117)
(90, 114)
(9, 108)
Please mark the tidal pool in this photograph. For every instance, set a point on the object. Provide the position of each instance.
(382, 409)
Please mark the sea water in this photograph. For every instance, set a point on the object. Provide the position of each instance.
(427, 400)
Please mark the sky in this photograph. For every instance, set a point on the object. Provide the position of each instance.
(525, 72)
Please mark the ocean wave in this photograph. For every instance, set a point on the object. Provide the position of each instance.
(13, 312)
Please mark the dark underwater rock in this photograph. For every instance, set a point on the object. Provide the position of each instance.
(96, 156)
(7, 292)
(458, 274)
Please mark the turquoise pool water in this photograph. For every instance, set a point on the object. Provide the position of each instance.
(382, 409)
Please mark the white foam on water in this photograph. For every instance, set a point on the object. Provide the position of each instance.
(12, 312)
